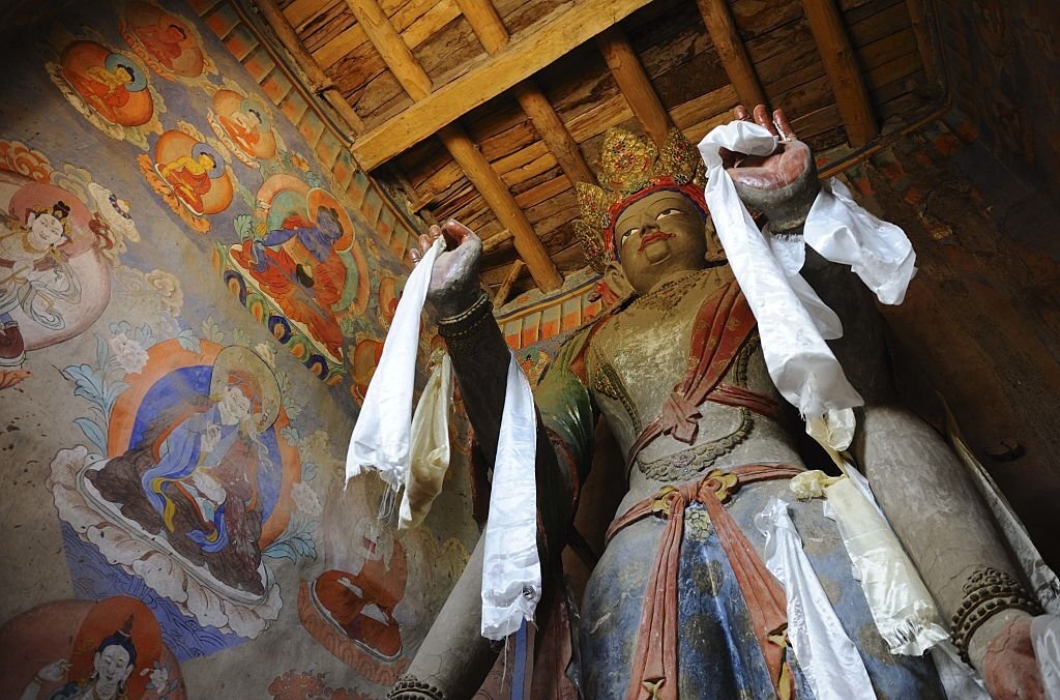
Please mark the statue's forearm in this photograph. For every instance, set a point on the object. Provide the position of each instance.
(454, 659)
(943, 523)
(925, 491)
(480, 360)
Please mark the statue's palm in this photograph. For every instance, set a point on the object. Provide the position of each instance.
(783, 184)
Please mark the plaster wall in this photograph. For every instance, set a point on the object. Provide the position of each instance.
(195, 281)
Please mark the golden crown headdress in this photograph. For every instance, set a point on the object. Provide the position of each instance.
(632, 167)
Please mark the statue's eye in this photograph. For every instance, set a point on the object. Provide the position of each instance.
(626, 234)
(668, 212)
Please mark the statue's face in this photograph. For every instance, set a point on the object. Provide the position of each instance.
(657, 235)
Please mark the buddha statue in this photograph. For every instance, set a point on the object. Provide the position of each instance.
(680, 604)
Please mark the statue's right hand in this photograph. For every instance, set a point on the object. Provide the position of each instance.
(454, 283)
(55, 671)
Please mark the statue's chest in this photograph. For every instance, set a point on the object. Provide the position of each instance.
(641, 354)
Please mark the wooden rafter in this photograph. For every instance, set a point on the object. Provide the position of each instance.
(918, 17)
(840, 64)
(509, 281)
(731, 51)
(492, 76)
(392, 48)
(414, 79)
(500, 200)
(634, 84)
(319, 82)
(489, 28)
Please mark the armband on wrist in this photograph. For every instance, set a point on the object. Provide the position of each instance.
(408, 687)
(457, 328)
(986, 593)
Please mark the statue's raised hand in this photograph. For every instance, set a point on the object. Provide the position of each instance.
(454, 283)
(781, 185)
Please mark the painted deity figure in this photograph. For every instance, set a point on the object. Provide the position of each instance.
(196, 475)
(164, 40)
(106, 88)
(189, 176)
(361, 598)
(299, 267)
(114, 661)
(244, 126)
(680, 604)
(34, 274)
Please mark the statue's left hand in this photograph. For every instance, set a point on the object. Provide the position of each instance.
(781, 185)
(1009, 668)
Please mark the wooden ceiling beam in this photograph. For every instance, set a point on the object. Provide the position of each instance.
(731, 52)
(487, 25)
(319, 82)
(634, 83)
(487, 181)
(841, 66)
(494, 243)
(492, 76)
(500, 200)
(392, 48)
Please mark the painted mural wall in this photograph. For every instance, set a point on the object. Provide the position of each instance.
(195, 282)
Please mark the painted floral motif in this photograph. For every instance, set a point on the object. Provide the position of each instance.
(128, 354)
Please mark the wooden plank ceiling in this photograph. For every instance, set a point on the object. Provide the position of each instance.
(489, 110)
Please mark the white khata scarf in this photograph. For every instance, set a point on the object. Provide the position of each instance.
(511, 570)
(793, 322)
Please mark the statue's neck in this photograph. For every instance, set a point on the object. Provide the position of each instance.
(670, 278)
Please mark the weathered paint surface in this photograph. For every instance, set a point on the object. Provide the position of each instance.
(186, 250)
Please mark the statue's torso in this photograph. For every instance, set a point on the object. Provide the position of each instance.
(637, 358)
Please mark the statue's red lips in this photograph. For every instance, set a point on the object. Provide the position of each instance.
(654, 236)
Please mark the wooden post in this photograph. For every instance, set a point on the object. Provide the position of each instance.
(634, 84)
(500, 200)
(489, 28)
(319, 82)
(732, 52)
(852, 98)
